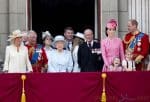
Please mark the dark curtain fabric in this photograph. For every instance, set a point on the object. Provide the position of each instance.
(55, 15)
(63, 87)
(128, 87)
(10, 88)
(76, 87)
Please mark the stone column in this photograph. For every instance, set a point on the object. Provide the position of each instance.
(109, 10)
(12, 17)
(123, 17)
(4, 26)
(17, 15)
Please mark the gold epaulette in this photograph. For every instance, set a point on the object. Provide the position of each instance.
(131, 39)
(31, 50)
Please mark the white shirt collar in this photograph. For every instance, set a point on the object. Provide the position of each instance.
(90, 42)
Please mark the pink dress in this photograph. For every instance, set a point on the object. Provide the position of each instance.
(111, 48)
(114, 69)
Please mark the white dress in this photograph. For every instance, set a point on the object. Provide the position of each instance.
(75, 59)
(115, 69)
(60, 61)
(17, 62)
(47, 51)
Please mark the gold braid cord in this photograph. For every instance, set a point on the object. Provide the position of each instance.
(31, 51)
(131, 39)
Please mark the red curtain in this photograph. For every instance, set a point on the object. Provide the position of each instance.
(10, 88)
(76, 87)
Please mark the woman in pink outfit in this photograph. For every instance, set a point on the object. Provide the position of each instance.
(111, 46)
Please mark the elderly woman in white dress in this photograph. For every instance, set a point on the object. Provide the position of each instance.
(79, 39)
(16, 57)
(60, 60)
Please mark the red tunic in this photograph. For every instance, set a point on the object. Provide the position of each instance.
(42, 58)
(144, 47)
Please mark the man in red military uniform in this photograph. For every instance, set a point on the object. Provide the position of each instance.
(37, 54)
(138, 42)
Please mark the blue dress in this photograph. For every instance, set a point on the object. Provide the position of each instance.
(60, 61)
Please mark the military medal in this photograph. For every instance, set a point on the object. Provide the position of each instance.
(139, 43)
(139, 49)
(93, 51)
(98, 51)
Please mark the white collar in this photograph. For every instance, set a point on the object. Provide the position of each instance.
(90, 42)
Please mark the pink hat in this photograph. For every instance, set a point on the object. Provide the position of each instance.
(112, 23)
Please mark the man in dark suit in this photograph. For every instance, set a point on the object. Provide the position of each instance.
(68, 34)
(89, 54)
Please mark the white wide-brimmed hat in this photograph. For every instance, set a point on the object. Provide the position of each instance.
(58, 38)
(79, 35)
(15, 34)
(46, 33)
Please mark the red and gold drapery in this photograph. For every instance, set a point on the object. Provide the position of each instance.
(76, 87)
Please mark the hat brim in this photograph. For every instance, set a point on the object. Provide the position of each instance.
(54, 43)
(79, 37)
(13, 37)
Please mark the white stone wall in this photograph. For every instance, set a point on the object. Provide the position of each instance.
(4, 26)
(17, 15)
(117, 9)
(140, 10)
(12, 17)
(109, 10)
(123, 17)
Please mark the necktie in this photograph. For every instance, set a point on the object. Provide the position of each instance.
(90, 45)
(69, 45)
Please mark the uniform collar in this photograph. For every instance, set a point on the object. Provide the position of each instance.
(136, 32)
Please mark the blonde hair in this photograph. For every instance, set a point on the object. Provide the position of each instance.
(128, 51)
(114, 60)
(77, 41)
(134, 22)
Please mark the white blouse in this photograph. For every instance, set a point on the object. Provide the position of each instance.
(47, 50)
(17, 61)
(75, 59)
(128, 65)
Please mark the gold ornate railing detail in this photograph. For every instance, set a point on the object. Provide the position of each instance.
(103, 97)
(23, 96)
